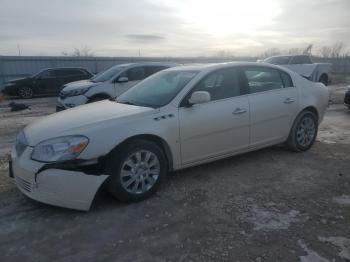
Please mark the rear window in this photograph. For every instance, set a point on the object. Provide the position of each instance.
(299, 60)
(280, 60)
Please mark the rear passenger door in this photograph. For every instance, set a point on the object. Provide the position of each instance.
(47, 82)
(273, 104)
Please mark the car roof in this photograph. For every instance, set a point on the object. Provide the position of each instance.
(58, 68)
(170, 64)
(289, 55)
(214, 66)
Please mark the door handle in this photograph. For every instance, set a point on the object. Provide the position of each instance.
(289, 100)
(239, 111)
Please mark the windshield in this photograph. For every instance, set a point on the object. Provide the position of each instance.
(37, 74)
(108, 74)
(281, 60)
(157, 90)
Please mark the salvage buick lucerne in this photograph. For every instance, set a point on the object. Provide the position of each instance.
(177, 118)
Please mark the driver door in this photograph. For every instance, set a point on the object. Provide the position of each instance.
(219, 127)
(47, 82)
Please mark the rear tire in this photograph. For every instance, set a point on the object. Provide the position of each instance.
(25, 92)
(304, 132)
(136, 170)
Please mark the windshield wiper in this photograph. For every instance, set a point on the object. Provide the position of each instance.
(126, 103)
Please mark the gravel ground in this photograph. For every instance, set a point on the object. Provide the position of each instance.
(269, 205)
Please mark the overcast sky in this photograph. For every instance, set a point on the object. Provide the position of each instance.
(169, 27)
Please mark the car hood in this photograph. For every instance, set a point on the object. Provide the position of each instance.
(78, 85)
(18, 80)
(81, 120)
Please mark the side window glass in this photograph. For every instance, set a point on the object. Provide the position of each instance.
(298, 60)
(287, 80)
(150, 70)
(263, 79)
(220, 84)
(136, 74)
(47, 74)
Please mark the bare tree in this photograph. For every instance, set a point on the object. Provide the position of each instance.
(326, 51)
(224, 54)
(334, 51)
(271, 52)
(338, 49)
(80, 52)
(295, 51)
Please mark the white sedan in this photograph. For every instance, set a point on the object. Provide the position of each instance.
(180, 117)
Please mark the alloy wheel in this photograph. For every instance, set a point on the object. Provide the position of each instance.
(306, 131)
(25, 92)
(140, 172)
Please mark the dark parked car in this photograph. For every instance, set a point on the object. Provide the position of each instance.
(47, 81)
(347, 98)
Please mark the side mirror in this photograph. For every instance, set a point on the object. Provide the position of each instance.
(199, 97)
(123, 79)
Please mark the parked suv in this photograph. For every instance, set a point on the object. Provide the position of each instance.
(47, 81)
(108, 84)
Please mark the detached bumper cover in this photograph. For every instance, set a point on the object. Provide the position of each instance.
(63, 188)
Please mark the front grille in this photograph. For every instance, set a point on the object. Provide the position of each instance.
(25, 185)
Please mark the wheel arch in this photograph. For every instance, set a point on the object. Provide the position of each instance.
(312, 109)
(153, 138)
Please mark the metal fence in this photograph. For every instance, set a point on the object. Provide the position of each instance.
(21, 66)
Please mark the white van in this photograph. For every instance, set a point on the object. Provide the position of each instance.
(108, 84)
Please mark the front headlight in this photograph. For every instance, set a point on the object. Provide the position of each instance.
(60, 149)
(9, 84)
(77, 92)
(21, 143)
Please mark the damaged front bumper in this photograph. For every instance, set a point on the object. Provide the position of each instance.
(49, 184)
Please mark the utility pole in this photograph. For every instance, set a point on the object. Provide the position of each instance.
(19, 50)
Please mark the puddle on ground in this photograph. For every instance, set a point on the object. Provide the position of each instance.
(342, 243)
(267, 220)
(312, 256)
(342, 200)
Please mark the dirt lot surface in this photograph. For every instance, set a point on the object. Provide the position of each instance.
(269, 205)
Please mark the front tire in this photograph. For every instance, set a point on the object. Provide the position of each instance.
(136, 170)
(304, 132)
(25, 92)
